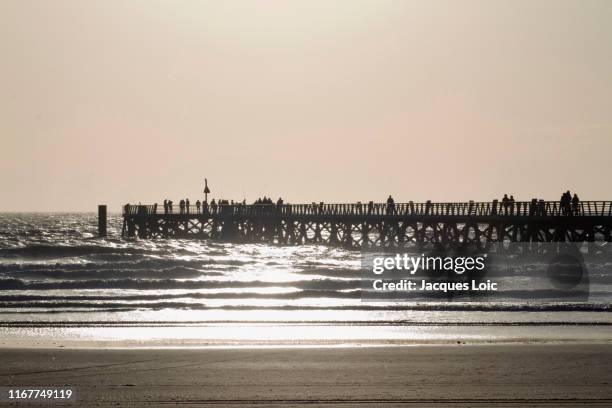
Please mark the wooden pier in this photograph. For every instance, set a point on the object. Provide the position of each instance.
(375, 225)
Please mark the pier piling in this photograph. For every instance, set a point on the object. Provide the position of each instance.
(102, 220)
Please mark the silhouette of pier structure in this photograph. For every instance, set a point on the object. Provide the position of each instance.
(362, 225)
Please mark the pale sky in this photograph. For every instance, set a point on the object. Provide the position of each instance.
(107, 102)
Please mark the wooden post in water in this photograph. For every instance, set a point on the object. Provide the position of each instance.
(102, 221)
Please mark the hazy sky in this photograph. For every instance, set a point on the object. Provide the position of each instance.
(126, 101)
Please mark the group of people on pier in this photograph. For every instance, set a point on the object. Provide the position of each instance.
(264, 200)
(568, 205)
(203, 207)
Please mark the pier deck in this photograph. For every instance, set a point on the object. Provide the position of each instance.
(374, 224)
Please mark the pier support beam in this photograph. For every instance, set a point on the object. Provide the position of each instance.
(102, 221)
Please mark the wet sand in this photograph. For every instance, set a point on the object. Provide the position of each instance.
(433, 375)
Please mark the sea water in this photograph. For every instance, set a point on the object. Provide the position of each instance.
(61, 283)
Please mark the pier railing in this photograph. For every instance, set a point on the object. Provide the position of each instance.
(470, 208)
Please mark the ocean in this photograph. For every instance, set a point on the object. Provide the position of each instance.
(61, 283)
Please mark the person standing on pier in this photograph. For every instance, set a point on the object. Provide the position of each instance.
(511, 204)
(505, 200)
(575, 204)
(213, 206)
(187, 205)
(566, 202)
(198, 206)
(182, 206)
(390, 205)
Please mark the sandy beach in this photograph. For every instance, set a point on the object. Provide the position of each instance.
(435, 375)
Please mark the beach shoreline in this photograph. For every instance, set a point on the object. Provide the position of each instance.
(305, 335)
(433, 375)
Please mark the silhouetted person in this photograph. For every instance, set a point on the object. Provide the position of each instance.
(575, 204)
(213, 206)
(390, 205)
(511, 204)
(504, 201)
(566, 202)
(533, 206)
(198, 204)
(182, 206)
(562, 201)
(541, 207)
(187, 205)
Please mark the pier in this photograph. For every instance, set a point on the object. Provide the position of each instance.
(361, 225)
